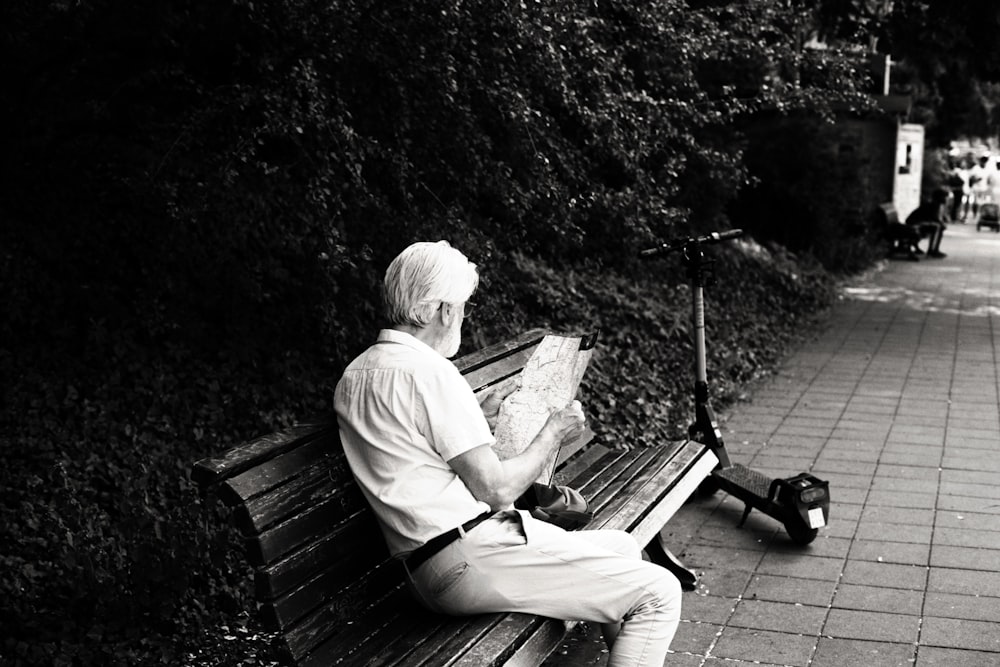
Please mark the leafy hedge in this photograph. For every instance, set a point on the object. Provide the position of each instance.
(200, 199)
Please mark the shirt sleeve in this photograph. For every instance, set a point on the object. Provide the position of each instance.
(453, 422)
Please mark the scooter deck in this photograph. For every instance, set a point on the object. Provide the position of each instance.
(747, 484)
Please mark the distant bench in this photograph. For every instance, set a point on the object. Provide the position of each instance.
(902, 238)
(323, 576)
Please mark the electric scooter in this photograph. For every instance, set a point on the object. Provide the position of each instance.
(802, 502)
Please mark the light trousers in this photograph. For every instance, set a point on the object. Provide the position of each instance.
(513, 562)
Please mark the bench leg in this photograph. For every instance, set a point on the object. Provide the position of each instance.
(660, 554)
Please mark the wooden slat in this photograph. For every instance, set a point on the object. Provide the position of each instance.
(301, 529)
(683, 486)
(394, 643)
(496, 646)
(357, 539)
(328, 578)
(314, 482)
(602, 490)
(337, 615)
(212, 470)
(541, 644)
(623, 488)
(643, 498)
(583, 460)
(286, 466)
(390, 615)
(483, 378)
(448, 647)
(419, 646)
(474, 360)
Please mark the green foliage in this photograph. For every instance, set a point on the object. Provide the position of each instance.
(811, 193)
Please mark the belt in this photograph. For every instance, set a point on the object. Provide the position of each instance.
(420, 555)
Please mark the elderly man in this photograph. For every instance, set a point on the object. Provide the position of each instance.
(419, 444)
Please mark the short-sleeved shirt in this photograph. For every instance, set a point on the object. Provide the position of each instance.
(404, 411)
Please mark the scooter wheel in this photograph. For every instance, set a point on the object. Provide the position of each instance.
(801, 534)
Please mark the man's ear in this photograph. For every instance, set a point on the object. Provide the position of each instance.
(448, 312)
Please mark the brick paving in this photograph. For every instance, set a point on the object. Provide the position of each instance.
(896, 402)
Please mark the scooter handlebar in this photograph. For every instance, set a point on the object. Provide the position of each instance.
(679, 244)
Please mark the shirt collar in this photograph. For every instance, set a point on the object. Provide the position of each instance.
(403, 338)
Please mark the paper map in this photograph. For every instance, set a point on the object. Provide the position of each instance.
(549, 382)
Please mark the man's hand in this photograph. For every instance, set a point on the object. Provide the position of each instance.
(567, 424)
(491, 399)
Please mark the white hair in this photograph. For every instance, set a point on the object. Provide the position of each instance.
(424, 276)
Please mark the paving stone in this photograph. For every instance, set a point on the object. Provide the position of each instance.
(968, 477)
(978, 521)
(974, 490)
(712, 556)
(954, 537)
(764, 615)
(895, 532)
(964, 582)
(901, 485)
(873, 626)
(833, 652)
(905, 471)
(972, 607)
(764, 646)
(876, 598)
(965, 558)
(879, 496)
(804, 567)
(906, 515)
(839, 480)
(790, 589)
(695, 637)
(827, 545)
(910, 553)
(964, 634)
(700, 608)
(966, 504)
(930, 656)
(890, 575)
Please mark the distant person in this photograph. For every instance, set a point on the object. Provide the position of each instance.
(958, 181)
(930, 220)
(979, 183)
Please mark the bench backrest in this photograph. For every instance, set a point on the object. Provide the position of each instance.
(890, 216)
(318, 554)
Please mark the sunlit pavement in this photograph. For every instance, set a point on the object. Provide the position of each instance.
(895, 403)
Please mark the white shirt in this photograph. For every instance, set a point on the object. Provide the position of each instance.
(404, 411)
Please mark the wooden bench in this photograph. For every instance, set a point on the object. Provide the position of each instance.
(323, 576)
(902, 238)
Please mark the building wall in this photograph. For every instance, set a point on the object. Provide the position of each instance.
(908, 168)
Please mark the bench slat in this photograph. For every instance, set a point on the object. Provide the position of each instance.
(629, 514)
(474, 360)
(358, 534)
(620, 490)
(310, 525)
(212, 470)
(287, 465)
(315, 482)
(681, 489)
(513, 632)
(322, 572)
(336, 615)
(382, 624)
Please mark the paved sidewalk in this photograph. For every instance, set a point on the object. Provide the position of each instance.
(895, 403)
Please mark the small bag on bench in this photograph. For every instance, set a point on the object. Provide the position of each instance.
(559, 505)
